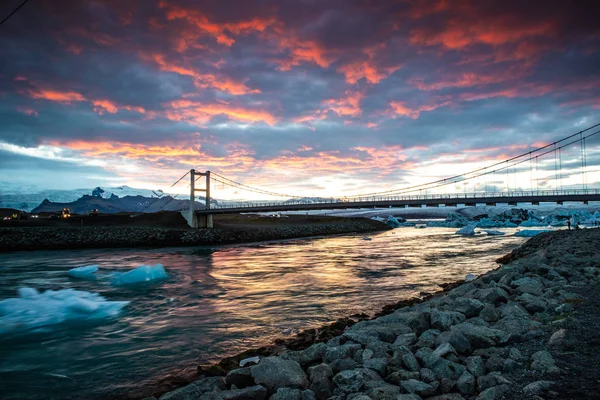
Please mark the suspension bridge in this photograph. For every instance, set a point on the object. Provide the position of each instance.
(557, 172)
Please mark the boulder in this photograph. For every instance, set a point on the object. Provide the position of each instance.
(494, 363)
(378, 365)
(275, 373)
(494, 393)
(409, 396)
(491, 380)
(406, 339)
(313, 354)
(458, 341)
(543, 362)
(343, 351)
(427, 375)
(469, 307)
(354, 380)
(447, 385)
(427, 338)
(476, 366)
(532, 303)
(466, 383)
(257, 392)
(403, 375)
(443, 320)
(538, 387)
(489, 313)
(480, 336)
(444, 349)
(528, 285)
(417, 387)
(322, 388)
(241, 377)
(287, 394)
(308, 395)
(558, 339)
(321, 371)
(343, 365)
(383, 392)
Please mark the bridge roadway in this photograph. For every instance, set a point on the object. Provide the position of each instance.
(453, 200)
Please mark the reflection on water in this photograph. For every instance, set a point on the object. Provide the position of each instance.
(219, 301)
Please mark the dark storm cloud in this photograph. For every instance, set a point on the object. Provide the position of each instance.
(259, 80)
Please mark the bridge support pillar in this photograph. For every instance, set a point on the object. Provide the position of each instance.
(193, 220)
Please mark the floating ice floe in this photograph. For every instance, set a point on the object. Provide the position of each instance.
(245, 361)
(493, 232)
(86, 272)
(530, 232)
(367, 238)
(33, 311)
(393, 222)
(468, 230)
(143, 273)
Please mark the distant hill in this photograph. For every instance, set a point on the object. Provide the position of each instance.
(312, 200)
(115, 204)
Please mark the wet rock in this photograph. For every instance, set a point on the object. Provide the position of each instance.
(339, 352)
(417, 321)
(480, 336)
(476, 366)
(443, 350)
(509, 366)
(427, 338)
(241, 377)
(491, 380)
(447, 396)
(489, 313)
(409, 396)
(367, 354)
(515, 354)
(417, 387)
(447, 385)
(423, 354)
(532, 303)
(308, 395)
(494, 295)
(406, 339)
(287, 394)
(494, 393)
(528, 285)
(313, 354)
(538, 387)
(322, 388)
(558, 339)
(444, 368)
(403, 375)
(343, 365)
(275, 373)
(257, 392)
(494, 363)
(384, 392)
(543, 362)
(321, 371)
(469, 307)
(466, 384)
(379, 348)
(443, 320)
(378, 365)
(427, 375)
(458, 341)
(410, 362)
(354, 380)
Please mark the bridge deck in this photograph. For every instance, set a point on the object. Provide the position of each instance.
(417, 201)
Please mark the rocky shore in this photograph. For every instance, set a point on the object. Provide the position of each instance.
(86, 237)
(527, 330)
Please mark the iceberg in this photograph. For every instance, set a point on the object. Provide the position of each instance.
(529, 223)
(468, 230)
(86, 272)
(33, 311)
(394, 222)
(141, 274)
(493, 232)
(530, 232)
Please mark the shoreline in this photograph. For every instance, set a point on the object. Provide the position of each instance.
(523, 329)
(98, 237)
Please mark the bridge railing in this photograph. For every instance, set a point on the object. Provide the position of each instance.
(435, 196)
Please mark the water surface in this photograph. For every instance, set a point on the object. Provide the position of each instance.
(218, 302)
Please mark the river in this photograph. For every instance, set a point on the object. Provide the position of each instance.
(218, 302)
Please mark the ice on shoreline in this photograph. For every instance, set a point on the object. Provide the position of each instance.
(143, 273)
(33, 311)
(531, 232)
(85, 272)
(493, 232)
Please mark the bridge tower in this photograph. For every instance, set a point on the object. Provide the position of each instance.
(193, 220)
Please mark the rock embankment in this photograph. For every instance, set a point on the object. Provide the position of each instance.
(63, 238)
(500, 336)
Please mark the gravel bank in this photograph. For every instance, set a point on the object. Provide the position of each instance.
(69, 237)
(527, 330)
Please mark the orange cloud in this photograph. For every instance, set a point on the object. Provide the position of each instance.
(203, 80)
(346, 106)
(402, 109)
(101, 106)
(201, 113)
(368, 68)
(27, 111)
(55, 95)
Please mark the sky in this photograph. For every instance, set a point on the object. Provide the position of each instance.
(308, 97)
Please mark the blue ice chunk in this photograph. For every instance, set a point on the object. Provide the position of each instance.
(143, 273)
(33, 311)
(86, 272)
(468, 230)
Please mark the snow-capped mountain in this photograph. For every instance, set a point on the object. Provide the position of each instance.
(28, 197)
